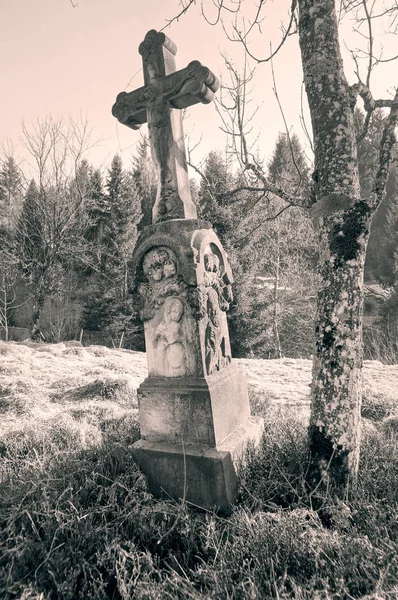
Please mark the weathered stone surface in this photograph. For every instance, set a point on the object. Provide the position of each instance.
(200, 475)
(198, 411)
(203, 475)
(158, 102)
(182, 284)
(192, 396)
(249, 432)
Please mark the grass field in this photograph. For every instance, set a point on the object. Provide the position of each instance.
(76, 520)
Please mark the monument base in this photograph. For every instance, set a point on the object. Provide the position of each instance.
(203, 476)
(201, 410)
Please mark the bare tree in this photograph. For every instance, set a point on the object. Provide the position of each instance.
(340, 216)
(51, 226)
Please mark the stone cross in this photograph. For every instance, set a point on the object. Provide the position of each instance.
(194, 412)
(159, 103)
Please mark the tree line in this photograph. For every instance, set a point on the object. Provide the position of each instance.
(68, 234)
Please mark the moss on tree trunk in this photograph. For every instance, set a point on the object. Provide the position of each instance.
(342, 224)
(337, 370)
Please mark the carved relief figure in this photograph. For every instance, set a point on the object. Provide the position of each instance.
(215, 296)
(159, 268)
(169, 340)
(213, 277)
(216, 358)
(154, 262)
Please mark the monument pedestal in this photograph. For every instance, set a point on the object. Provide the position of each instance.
(193, 436)
(204, 477)
(193, 408)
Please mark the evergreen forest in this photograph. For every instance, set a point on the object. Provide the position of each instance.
(68, 234)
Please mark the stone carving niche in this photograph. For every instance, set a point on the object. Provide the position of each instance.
(169, 330)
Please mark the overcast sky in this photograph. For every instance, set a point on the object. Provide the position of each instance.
(56, 59)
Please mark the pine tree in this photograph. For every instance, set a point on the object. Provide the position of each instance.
(213, 205)
(288, 167)
(276, 256)
(144, 176)
(290, 253)
(31, 246)
(115, 214)
(122, 196)
(11, 192)
(98, 217)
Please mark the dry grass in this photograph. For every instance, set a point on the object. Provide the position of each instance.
(39, 382)
(65, 385)
(77, 522)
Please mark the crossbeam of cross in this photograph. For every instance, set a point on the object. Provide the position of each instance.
(159, 103)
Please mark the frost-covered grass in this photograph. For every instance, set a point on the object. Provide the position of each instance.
(76, 520)
(66, 391)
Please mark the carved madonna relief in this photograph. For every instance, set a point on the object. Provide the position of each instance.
(170, 344)
(169, 326)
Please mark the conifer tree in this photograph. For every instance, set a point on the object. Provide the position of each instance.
(283, 243)
(115, 214)
(213, 199)
(145, 179)
(11, 192)
(98, 218)
(288, 167)
(31, 246)
(122, 196)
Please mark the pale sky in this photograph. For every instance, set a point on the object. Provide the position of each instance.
(56, 59)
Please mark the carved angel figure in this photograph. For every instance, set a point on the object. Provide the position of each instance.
(214, 337)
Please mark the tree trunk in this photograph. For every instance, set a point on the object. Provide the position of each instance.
(36, 335)
(342, 223)
(277, 342)
(3, 310)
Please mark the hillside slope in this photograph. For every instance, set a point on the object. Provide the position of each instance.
(84, 388)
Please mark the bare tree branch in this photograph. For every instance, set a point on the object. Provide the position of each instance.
(370, 105)
(243, 37)
(184, 9)
(250, 233)
(386, 146)
(275, 89)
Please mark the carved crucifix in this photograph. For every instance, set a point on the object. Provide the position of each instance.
(159, 102)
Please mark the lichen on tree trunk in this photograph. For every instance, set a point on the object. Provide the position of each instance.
(336, 386)
(342, 222)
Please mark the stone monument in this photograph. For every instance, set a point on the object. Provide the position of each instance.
(193, 408)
